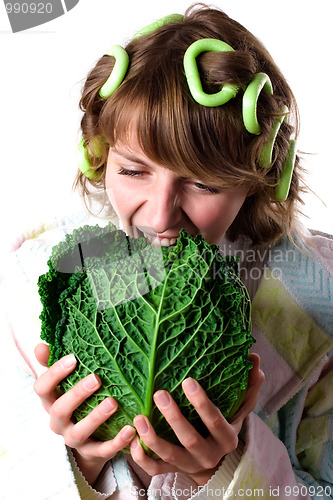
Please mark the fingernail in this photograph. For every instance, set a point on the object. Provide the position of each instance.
(190, 386)
(141, 425)
(127, 433)
(163, 399)
(135, 443)
(107, 406)
(68, 361)
(91, 382)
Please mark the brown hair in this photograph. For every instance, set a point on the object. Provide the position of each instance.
(210, 144)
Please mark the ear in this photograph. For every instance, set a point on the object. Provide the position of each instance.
(250, 192)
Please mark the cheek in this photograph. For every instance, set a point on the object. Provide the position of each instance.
(231, 206)
(118, 195)
(112, 193)
(214, 218)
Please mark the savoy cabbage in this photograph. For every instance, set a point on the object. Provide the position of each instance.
(145, 318)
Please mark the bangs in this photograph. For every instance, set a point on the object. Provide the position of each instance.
(174, 131)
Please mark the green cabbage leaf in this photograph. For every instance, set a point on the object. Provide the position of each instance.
(145, 318)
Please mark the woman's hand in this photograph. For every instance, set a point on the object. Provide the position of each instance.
(200, 456)
(91, 455)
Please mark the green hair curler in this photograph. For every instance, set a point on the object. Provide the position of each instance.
(171, 18)
(227, 92)
(118, 73)
(250, 100)
(83, 154)
(265, 157)
(282, 190)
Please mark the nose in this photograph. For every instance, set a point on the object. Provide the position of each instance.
(165, 210)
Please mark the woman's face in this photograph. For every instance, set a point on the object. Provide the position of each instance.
(151, 199)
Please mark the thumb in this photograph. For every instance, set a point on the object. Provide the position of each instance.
(256, 379)
(42, 353)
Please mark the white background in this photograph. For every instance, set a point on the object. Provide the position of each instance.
(41, 75)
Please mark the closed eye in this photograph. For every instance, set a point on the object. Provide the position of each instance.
(209, 189)
(138, 173)
(129, 172)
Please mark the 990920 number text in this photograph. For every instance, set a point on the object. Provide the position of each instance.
(29, 8)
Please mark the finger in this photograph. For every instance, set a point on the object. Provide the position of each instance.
(185, 432)
(122, 439)
(92, 449)
(256, 379)
(63, 408)
(85, 427)
(150, 465)
(169, 453)
(256, 375)
(220, 430)
(42, 353)
(45, 385)
(256, 371)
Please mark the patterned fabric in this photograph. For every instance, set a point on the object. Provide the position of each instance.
(292, 320)
(287, 449)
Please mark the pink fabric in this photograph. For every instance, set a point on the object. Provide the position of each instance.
(270, 397)
(275, 466)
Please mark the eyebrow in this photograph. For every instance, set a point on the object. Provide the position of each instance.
(130, 157)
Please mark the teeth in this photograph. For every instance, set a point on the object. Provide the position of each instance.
(165, 242)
